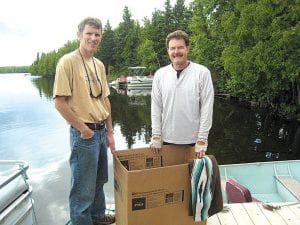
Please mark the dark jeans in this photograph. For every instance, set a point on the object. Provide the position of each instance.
(89, 172)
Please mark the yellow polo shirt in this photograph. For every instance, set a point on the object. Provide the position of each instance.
(71, 79)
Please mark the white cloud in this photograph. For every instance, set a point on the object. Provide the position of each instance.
(32, 26)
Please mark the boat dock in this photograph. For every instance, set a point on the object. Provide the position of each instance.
(255, 214)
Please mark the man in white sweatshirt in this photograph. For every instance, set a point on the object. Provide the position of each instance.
(181, 100)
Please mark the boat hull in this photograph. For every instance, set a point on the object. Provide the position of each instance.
(263, 179)
(19, 211)
(16, 204)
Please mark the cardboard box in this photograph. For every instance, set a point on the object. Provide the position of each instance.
(153, 189)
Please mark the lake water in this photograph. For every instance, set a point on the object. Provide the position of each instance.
(32, 130)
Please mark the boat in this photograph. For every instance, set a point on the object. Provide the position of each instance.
(137, 80)
(16, 204)
(112, 84)
(260, 193)
(266, 182)
(139, 92)
(121, 82)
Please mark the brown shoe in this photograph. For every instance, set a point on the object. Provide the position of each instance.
(107, 219)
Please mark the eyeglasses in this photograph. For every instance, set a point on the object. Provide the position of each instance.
(96, 86)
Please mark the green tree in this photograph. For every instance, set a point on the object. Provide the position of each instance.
(261, 59)
(147, 56)
(14, 69)
(45, 63)
(181, 16)
(129, 53)
(122, 33)
(158, 33)
(201, 43)
(106, 51)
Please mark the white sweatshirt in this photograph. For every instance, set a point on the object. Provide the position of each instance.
(182, 109)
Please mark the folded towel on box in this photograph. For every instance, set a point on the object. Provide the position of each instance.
(206, 195)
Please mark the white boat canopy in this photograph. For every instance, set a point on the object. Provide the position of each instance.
(136, 70)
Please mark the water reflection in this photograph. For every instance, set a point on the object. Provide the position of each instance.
(238, 134)
(243, 135)
(132, 114)
(44, 85)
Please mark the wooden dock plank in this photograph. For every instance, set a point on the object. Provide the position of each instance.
(255, 213)
(295, 209)
(272, 216)
(226, 218)
(213, 220)
(240, 214)
(288, 215)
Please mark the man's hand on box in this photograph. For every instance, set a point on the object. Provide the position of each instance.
(200, 147)
(155, 143)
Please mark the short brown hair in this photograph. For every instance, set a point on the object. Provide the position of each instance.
(92, 21)
(178, 34)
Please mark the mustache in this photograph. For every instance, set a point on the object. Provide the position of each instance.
(177, 55)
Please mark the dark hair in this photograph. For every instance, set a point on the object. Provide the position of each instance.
(92, 21)
(178, 34)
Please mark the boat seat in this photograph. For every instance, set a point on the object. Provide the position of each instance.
(291, 184)
(237, 193)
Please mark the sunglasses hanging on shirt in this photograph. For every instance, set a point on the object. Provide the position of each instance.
(96, 88)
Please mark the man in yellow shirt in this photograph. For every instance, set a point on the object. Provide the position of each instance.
(81, 97)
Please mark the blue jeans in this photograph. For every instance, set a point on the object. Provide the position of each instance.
(89, 172)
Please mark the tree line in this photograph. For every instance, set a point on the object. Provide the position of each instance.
(14, 69)
(251, 47)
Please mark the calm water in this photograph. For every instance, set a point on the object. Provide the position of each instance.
(32, 130)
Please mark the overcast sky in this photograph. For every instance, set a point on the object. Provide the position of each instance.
(31, 26)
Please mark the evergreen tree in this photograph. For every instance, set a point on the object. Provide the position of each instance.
(261, 56)
(158, 36)
(121, 35)
(147, 56)
(106, 51)
(181, 16)
(129, 54)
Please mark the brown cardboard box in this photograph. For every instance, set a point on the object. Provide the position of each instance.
(153, 189)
